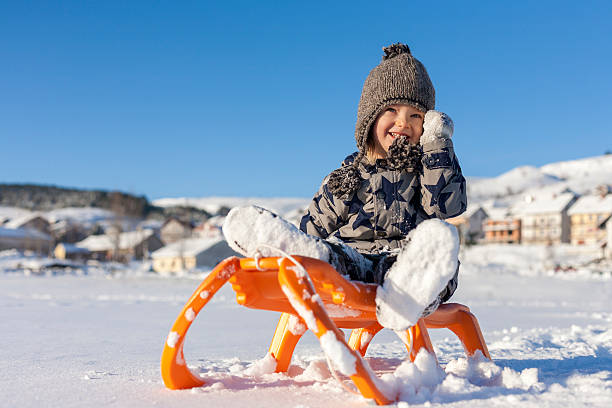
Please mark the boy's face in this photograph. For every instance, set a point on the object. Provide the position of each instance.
(393, 122)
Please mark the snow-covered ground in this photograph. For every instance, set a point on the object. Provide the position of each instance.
(71, 339)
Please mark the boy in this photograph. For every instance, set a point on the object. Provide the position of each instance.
(376, 218)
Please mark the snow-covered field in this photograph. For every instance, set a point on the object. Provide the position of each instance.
(71, 339)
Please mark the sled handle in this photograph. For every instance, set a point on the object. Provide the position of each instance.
(174, 370)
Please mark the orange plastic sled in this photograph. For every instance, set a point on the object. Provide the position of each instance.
(318, 298)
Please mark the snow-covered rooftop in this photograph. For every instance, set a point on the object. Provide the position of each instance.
(22, 219)
(472, 209)
(106, 242)
(9, 213)
(81, 215)
(186, 247)
(544, 204)
(592, 204)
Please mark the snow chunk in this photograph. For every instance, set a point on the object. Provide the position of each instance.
(190, 314)
(338, 353)
(295, 326)
(479, 370)
(415, 382)
(366, 338)
(341, 311)
(173, 338)
(266, 365)
(204, 294)
(180, 360)
(306, 314)
(317, 370)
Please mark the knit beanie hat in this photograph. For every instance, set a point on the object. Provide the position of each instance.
(398, 79)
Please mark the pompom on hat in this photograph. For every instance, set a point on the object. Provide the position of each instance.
(398, 79)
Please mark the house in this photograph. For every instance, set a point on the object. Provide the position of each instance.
(586, 217)
(25, 239)
(210, 228)
(470, 224)
(64, 250)
(123, 246)
(191, 253)
(545, 219)
(69, 232)
(174, 229)
(505, 230)
(33, 221)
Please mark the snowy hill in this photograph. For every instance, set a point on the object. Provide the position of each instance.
(282, 206)
(581, 176)
(513, 182)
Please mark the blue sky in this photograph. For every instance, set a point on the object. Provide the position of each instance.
(169, 99)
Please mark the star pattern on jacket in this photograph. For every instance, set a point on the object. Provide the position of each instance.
(363, 219)
(442, 201)
(316, 201)
(388, 191)
(407, 223)
(354, 204)
(435, 190)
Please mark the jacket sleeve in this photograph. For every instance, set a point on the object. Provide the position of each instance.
(321, 219)
(443, 190)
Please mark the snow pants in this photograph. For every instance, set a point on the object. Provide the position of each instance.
(381, 263)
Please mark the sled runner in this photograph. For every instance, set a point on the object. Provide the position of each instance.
(311, 293)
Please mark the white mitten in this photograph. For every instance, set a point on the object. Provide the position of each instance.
(436, 126)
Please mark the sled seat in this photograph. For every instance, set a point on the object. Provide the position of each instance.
(321, 300)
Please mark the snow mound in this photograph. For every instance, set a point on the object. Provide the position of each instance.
(512, 182)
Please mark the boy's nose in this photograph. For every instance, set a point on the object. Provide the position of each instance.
(401, 122)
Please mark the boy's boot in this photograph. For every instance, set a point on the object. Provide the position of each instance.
(246, 228)
(422, 270)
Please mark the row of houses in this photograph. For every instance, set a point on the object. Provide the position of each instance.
(176, 245)
(560, 218)
(173, 246)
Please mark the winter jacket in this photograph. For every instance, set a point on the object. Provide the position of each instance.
(389, 203)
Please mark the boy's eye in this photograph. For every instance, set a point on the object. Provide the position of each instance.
(390, 110)
(417, 115)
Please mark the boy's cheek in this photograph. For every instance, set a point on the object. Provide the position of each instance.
(416, 138)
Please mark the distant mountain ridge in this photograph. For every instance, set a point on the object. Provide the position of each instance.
(45, 198)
